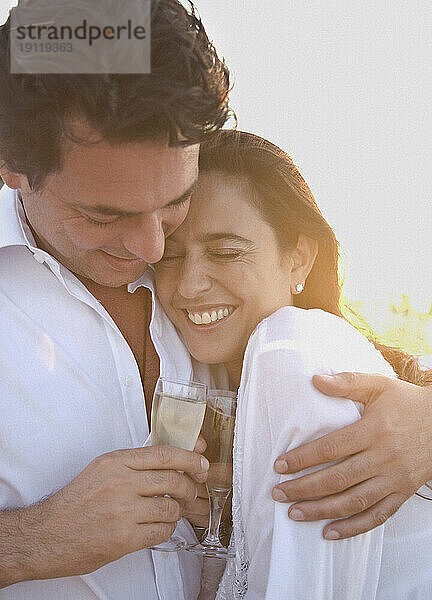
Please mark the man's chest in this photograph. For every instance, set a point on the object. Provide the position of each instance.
(132, 316)
(70, 390)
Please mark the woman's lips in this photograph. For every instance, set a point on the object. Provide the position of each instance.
(120, 264)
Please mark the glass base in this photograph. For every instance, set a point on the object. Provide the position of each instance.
(210, 550)
(173, 544)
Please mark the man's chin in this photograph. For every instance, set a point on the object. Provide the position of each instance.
(118, 279)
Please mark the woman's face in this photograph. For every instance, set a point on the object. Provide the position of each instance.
(222, 271)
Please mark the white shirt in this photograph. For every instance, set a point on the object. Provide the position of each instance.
(279, 409)
(70, 390)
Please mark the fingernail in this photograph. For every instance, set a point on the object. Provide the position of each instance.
(296, 514)
(281, 466)
(327, 377)
(331, 534)
(196, 493)
(278, 495)
(204, 463)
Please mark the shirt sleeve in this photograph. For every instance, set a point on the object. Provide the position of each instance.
(281, 410)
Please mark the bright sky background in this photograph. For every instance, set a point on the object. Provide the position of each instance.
(345, 87)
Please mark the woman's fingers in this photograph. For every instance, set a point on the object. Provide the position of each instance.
(365, 521)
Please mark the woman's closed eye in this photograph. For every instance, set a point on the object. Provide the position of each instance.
(225, 253)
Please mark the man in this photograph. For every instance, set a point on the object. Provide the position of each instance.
(99, 170)
(97, 187)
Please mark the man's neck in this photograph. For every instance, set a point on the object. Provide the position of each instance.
(105, 294)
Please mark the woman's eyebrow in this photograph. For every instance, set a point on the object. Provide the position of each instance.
(226, 236)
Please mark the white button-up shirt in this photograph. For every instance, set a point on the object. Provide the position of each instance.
(70, 390)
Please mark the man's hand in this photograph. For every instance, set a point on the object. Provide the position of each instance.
(197, 511)
(113, 507)
(388, 456)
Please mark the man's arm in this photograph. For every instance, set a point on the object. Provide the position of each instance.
(388, 456)
(113, 507)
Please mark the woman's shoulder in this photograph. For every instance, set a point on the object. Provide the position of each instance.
(318, 337)
(312, 326)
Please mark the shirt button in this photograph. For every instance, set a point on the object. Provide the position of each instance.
(39, 257)
(127, 380)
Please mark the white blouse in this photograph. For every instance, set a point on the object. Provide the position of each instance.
(279, 409)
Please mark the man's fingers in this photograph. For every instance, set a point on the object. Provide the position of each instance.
(158, 510)
(365, 521)
(157, 483)
(333, 446)
(160, 457)
(200, 507)
(198, 510)
(355, 500)
(331, 480)
(359, 387)
(151, 534)
(197, 520)
(202, 491)
(201, 445)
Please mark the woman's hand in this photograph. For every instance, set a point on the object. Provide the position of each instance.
(388, 456)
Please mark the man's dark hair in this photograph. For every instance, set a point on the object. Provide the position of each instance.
(183, 99)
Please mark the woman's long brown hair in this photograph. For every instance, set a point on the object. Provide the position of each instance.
(286, 203)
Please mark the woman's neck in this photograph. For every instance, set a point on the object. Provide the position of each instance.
(234, 368)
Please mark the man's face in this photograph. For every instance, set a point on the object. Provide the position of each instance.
(105, 216)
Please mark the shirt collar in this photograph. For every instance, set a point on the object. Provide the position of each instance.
(14, 230)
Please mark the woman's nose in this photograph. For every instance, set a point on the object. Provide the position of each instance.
(194, 280)
(146, 240)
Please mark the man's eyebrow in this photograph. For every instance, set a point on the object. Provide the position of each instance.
(110, 211)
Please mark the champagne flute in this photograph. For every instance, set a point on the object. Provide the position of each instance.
(177, 415)
(218, 431)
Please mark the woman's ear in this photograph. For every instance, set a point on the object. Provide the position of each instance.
(302, 261)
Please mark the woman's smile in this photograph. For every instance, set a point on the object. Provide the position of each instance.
(213, 315)
(222, 271)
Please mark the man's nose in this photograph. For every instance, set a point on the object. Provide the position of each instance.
(146, 239)
(194, 279)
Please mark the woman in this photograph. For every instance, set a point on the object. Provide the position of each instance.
(236, 278)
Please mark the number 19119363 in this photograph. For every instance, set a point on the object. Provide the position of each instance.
(29, 47)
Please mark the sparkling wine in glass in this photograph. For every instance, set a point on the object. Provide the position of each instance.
(177, 415)
(218, 431)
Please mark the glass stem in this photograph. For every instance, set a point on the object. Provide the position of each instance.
(217, 503)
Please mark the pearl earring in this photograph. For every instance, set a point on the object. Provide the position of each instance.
(299, 288)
